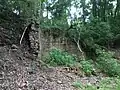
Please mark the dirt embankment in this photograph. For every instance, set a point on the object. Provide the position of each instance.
(19, 72)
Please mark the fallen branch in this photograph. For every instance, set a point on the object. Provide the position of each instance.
(23, 35)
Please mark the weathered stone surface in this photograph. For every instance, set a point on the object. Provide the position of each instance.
(34, 42)
(48, 41)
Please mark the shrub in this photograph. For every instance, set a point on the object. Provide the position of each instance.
(107, 63)
(87, 67)
(58, 57)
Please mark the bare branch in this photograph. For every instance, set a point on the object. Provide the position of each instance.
(23, 35)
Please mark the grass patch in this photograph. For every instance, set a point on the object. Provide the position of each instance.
(108, 83)
(77, 84)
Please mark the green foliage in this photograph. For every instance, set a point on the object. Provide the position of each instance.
(77, 30)
(59, 58)
(107, 63)
(77, 84)
(118, 86)
(58, 7)
(55, 23)
(91, 34)
(87, 67)
(100, 32)
(90, 87)
(108, 83)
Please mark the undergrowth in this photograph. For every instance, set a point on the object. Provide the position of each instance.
(87, 66)
(58, 57)
(107, 63)
(104, 61)
(108, 83)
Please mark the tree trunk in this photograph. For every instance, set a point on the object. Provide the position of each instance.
(79, 48)
(94, 8)
(39, 34)
(40, 45)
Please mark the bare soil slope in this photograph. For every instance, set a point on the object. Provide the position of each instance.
(18, 71)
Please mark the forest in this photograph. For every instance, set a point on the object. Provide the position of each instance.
(59, 44)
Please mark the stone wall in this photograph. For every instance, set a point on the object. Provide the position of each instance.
(48, 41)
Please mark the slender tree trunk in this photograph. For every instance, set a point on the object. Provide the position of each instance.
(39, 34)
(83, 9)
(78, 45)
(40, 45)
(104, 11)
(79, 48)
(94, 8)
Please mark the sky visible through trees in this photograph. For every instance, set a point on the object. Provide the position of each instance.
(74, 10)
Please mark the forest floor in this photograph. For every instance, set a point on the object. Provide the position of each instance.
(19, 72)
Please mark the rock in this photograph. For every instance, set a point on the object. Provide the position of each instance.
(49, 79)
(24, 84)
(59, 82)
